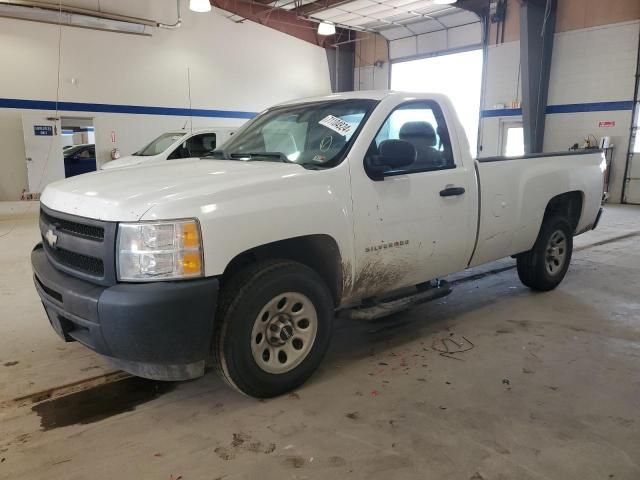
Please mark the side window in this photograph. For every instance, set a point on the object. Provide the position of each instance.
(201, 145)
(86, 153)
(422, 125)
(179, 152)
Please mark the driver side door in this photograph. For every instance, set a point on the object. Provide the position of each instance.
(414, 223)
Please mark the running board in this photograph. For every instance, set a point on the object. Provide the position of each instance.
(384, 308)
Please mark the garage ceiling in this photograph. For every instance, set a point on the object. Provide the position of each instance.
(396, 19)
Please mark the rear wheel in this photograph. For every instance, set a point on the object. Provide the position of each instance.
(545, 265)
(273, 327)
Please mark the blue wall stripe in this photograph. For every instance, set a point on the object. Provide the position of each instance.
(196, 112)
(501, 112)
(590, 107)
(569, 108)
(111, 108)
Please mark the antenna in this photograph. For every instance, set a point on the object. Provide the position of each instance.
(190, 106)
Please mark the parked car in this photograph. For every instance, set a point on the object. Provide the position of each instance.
(357, 201)
(79, 159)
(173, 146)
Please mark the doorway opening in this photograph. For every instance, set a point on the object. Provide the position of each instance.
(631, 186)
(457, 75)
(78, 145)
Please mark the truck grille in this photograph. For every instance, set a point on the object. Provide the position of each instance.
(83, 263)
(82, 247)
(74, 228)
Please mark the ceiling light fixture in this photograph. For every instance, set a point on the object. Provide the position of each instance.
(444, 2)
(200, 6)
(77, 17)
(326, 28)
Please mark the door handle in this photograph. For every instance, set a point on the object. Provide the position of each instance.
(452, 191)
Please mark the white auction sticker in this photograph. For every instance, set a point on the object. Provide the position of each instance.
(336, 124)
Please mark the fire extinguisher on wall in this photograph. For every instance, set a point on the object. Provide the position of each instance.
(115, 153)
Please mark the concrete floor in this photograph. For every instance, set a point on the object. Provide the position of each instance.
(547, 387)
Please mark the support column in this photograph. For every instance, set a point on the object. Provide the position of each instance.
(341, 60)
(537, 27)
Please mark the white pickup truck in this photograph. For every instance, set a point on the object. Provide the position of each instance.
(355, 201)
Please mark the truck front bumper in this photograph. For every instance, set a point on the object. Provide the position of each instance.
(159, 330)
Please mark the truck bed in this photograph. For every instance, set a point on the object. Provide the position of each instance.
(514, 192)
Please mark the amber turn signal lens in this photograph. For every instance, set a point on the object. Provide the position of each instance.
(191, 263)
(190, 235)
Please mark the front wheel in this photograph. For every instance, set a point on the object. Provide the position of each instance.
(545, 265)
(273, 327)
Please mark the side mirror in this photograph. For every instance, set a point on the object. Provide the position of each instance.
(394, 154)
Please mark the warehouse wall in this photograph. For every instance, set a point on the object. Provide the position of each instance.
(233, 68)
(592, 80)
(372, 66)
(571, 15)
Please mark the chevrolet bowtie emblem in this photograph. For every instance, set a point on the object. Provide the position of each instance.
(51, 238)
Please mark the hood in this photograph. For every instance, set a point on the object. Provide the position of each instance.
(127, 194)
(129, 161)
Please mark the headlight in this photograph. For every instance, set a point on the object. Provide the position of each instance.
(159, 251)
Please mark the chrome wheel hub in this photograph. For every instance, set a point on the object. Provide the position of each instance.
(284, 332)
(556, 252)
(279, 330)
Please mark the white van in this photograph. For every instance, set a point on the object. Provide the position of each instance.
(175, 145)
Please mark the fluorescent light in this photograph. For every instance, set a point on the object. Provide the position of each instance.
(444, 2)
(73, 19)
(200, 6)
(326, 28)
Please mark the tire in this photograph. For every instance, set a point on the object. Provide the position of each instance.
(280, 307)
(545, 265)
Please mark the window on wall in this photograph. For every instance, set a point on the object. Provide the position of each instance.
(458, 75)
(513, 141)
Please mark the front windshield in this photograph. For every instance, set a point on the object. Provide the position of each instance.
(160, 144)
(311, 134)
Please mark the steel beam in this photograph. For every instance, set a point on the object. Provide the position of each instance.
(479, 7)
(319, 5)
(537, 27)
(286, 21)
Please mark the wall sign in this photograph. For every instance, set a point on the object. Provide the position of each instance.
(606, 123)
(43, 130)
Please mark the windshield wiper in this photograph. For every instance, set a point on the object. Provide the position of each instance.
(253, 156)
(249, 156)
(219, 154)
